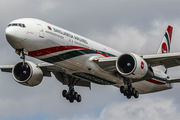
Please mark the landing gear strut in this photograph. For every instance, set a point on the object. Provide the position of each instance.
(71, 94)
(22, 53)
(128, 90)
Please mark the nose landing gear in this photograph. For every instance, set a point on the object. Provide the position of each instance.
(22, 53)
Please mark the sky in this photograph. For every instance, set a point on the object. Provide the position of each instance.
(125, 25)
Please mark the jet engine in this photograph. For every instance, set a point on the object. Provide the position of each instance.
(28, 74)
(131, 66)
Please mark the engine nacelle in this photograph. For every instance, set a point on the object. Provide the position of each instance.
(131, 66)
(29, 74)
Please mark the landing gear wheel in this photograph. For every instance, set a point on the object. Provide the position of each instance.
(133, 92)
(136, 95)
(79, 98)
(129, 96)
(122, 89)
(64, 93)
(71, 100)
(76, 95)
(125, 93)
(72, 92)
(130, 89)
(67, 97)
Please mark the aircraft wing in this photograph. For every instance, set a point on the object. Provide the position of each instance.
(6, 68)
(47, 68)
(166, 59)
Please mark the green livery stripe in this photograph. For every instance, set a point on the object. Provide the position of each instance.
(71, 54)
(68, 55)
(168, 41)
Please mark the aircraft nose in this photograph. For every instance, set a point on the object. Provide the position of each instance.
(15, 37)
(10, 33)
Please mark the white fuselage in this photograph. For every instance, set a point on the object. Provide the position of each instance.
(73, 52)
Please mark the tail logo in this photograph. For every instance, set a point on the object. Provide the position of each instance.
(164, 48)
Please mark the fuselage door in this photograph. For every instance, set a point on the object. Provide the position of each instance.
(41, 31)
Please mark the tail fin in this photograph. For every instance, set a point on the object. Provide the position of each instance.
(165, 46)
(166, 41)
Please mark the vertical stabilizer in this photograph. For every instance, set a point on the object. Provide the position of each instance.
(166, 41)
(165, 45)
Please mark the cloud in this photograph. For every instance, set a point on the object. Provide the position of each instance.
(122, 38)
(48, 5)
(144, 108)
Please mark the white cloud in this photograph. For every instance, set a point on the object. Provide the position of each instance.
(122, 38)
(143, 109)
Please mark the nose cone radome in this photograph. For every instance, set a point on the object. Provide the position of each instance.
(14, 37)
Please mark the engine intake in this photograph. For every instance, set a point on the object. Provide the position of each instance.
(29, 74)
(131, 66)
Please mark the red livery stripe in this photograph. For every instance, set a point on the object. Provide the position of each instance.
(156, 82)
(169, 30)
(46, 51)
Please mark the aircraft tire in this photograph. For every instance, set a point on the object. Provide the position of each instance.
(130, 88)
(72, 92)
(125, 93)
(133, 91)
(71, 100)
(122, 89)
(136, 94)
(129, 96)
(76, 95)
(64, 93)
(79, 98)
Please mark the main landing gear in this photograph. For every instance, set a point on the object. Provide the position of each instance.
(128, 90)
(71, 94)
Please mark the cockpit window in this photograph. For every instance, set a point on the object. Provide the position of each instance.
(9, 25)
(23, 25)
(14, 24)
(17, 24)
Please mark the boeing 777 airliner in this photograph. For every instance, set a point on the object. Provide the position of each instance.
(77, 61)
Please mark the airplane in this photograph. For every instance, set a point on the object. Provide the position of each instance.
(78, 61)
